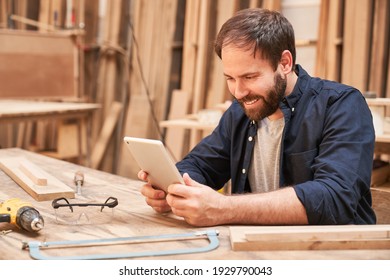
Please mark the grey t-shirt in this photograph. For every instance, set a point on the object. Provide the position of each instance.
(264, 168)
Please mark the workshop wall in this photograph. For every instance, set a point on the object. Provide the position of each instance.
(138, 57)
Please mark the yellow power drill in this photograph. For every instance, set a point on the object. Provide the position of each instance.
(21, 214)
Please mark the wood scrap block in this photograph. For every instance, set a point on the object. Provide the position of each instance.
(33, 172)
(54, 188)
(342, 237)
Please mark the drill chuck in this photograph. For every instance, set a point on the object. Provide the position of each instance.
(29, 219)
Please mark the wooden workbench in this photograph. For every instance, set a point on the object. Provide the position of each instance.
(132, 217)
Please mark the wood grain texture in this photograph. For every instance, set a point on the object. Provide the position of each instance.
(351, 237)
(33, 172)
(132, 217)
(38, 65)
(53, 188)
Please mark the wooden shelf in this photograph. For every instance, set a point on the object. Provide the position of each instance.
(384, 138)
(378, 101)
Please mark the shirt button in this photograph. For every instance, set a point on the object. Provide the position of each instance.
(250, 138)
(243, 171)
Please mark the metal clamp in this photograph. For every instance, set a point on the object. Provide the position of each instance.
(212, 235)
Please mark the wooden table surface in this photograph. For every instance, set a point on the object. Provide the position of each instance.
(132, 217)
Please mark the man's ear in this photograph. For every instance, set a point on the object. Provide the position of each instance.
(286, 62)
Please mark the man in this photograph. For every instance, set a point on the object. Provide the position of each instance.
(298, 150)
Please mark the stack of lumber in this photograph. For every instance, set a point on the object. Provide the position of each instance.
(353, 44)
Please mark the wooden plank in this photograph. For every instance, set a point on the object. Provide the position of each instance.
(190, 46)
(322, 38)
(320, 238)
(328, 62)
(174, 136)
(21, 10)
(380, 48)
(201, 70)
(105, 134)
(357, 34)
(164, 38)
(54, 188)
(3, 13)
(201, 59)
(307, 233)
(33, 172)
(217, 91)
(334, 42)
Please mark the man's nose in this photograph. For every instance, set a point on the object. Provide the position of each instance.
(240, 90)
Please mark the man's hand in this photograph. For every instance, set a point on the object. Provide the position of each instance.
(198, 204)
(155, 198)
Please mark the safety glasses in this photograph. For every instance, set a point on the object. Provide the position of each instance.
(84, 212)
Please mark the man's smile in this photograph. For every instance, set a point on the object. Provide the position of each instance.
(251, 101)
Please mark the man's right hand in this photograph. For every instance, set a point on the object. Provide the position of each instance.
(155, 198)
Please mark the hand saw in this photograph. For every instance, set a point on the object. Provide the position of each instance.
(212, 235)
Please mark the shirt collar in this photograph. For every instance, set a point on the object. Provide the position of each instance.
(299, 88)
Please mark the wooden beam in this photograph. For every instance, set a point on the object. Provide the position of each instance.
(339, 237)
(356, 47)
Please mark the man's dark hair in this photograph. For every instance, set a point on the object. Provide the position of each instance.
(263, 30)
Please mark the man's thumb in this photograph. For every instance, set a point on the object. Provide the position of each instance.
(187, 180)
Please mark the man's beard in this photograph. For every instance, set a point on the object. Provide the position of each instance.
(271, 101)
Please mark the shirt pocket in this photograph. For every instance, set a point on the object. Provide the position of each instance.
(299, 166)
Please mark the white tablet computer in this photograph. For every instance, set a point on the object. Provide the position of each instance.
(152, 157)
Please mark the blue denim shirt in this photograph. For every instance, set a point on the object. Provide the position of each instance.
(327, 151)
